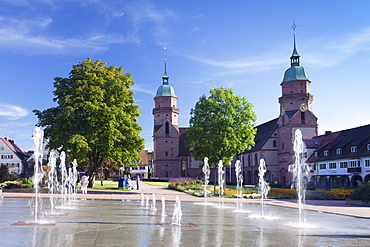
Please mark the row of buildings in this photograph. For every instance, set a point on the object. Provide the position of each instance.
(338, 159)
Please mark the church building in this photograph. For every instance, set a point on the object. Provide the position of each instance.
(336, 159)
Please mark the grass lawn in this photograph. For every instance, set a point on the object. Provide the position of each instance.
(165, 184)
(110, 184)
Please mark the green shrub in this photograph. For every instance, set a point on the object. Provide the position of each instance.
(2, 185)
(362, 192)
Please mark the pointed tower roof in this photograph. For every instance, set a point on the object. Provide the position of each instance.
(295, 72)
(165, 89)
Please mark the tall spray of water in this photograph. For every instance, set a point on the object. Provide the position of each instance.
(38, 138)
(221, 181)
(206, 172)
(239, 180)
(64, 184)
(263, 186)
(53, 183)
(74, 176)
(299, 171)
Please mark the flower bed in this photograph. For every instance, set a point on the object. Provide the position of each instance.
(339, 194)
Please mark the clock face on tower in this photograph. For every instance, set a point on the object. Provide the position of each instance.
(303, 107)
(282, 111)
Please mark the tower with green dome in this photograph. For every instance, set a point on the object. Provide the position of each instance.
(295, 112)
(166, 130)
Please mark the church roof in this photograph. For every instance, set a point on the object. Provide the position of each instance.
(264, 132)
(166, 90)
(295, 73)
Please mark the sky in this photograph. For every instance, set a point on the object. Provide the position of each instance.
(240, 44)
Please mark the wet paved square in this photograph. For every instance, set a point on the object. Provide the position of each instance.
(128, 223)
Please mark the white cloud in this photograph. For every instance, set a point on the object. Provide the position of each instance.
(21, 36)
(138, 88)
(13, 112)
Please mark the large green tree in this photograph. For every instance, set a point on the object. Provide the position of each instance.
(221, 126)
(95, 119)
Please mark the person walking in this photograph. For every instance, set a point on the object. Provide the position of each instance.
(138, 181)
(84, 183)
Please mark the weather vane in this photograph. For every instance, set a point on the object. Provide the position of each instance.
(294, 27)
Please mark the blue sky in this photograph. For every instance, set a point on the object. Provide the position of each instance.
(244, 45)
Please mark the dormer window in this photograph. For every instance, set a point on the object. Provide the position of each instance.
(326, 152)
(339, 150)
(315, 154)
(368, 147)
(353, 149)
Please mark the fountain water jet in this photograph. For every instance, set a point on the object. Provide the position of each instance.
(154, 207)
(64, 184)
(38, 137)
(221, 183)
(299, 170)
(142, 199)
(147, 202)
(263, 188)
(239, 182)
(163, 200)
(53, 183)
(74, 176)
(177, 213)
(206, 172)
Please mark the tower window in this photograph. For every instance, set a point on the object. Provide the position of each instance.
(166, 153)
(167, 128)
(274, 144)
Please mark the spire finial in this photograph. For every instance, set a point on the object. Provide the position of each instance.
(165, 60)
(165, 76)
(294, 59)
(294, 27)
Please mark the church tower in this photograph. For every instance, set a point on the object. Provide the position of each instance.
(295, 112)
(166, 130)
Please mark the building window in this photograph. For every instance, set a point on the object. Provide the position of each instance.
(332, 165)
(303, 117)
(343, 164)
(322, 166)
(7, 156)
(326, 152)
(166, 153)
(274, 144)
(354, 163)
(167, 128)
(353, 149)
(256, 160)
(367, 163)
(339, 150)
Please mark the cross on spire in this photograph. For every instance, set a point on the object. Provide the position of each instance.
(294, 27)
